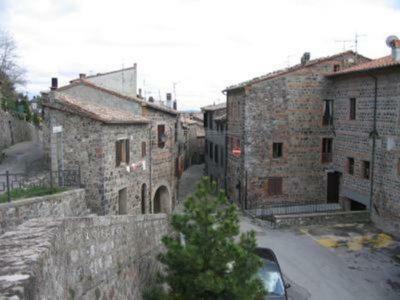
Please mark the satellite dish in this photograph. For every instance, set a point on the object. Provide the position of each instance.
(390, 39)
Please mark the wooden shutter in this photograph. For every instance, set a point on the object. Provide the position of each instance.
(143, 149)
(275, 186)
(117, 153)
(127, 151)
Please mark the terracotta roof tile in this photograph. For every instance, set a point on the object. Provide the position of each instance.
(380, 63)
(289, 70)
(142, 102)
(100, 113)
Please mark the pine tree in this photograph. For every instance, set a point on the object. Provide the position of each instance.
(206, 259)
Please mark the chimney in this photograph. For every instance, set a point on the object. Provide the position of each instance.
(151, 99)
(169, 100)
(305, 58)
(396, 50)
(140, 94)
(54, 83)
(82, 75)
(174, 105)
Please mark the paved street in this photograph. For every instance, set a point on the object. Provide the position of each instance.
(23, 157)
(188, 181)
(329, 262)
(341, 262)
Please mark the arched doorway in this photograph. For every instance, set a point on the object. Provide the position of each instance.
(143, 198)
(162, 200)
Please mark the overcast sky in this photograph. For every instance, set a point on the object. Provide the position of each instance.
(202, 45)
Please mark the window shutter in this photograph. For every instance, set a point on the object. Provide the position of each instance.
(143, 149)
(127, 151)
(117, 153)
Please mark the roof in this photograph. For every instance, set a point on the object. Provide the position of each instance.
(111, 92)
(380, 63)
(214, 107)
(93, 111)
(106, 73)
(289, 70)
(220, 118)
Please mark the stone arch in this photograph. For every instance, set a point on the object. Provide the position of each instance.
(162, 200)
(143, 198)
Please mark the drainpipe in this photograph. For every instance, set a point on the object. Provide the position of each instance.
(374, 135)
(150, 170)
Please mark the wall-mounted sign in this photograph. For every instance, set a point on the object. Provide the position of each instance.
(57, 129)
(236, 152)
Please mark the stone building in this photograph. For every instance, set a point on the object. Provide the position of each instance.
(191, 137)
(275, 130)
(125, 146)
(215, 143)
(365, 138)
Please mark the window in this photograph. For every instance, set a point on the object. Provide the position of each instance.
(336, 68)
(327, 118)
(398, 167)
(365, 169)
(210, 121)
(205, 120)
(206, 147)
(161, 136)
(326, 150)
(216, 153)
(277, 150)
(143, 149)
(275, 186)
(121, 152)
(222, 156)
(352, 108)
(211, 150)
(350, 165)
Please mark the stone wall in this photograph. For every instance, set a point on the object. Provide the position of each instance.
(91, 145)
(14, 131)
(286, 109)
(66, 204)
(215, 165)
(353, 140)
(110, 257)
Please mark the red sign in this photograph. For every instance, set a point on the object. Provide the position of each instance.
(236, 152)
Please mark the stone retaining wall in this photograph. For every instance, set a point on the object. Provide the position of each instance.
(108, 257)
(15, 131)
(66, 204)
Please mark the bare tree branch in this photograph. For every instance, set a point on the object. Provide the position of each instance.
(9, 68)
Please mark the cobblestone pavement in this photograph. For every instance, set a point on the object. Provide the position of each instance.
(188, 182)
(339, 261)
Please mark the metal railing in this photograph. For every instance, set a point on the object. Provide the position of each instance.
(264, 209)
(63, 178)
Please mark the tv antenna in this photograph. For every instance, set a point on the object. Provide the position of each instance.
(174, 88)
(344, 42)
(356, 38)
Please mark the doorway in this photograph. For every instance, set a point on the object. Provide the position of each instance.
(333, 187)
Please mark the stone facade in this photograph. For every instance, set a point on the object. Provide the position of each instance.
(215, 143)
(282, 108)
(66, 204)
(354, 139)
(93, 119)
(109, 257)
(190, 139)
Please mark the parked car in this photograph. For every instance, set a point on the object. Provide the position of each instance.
(271, 275)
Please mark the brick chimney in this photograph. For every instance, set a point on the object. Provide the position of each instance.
(54, 83)
(82, 75)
